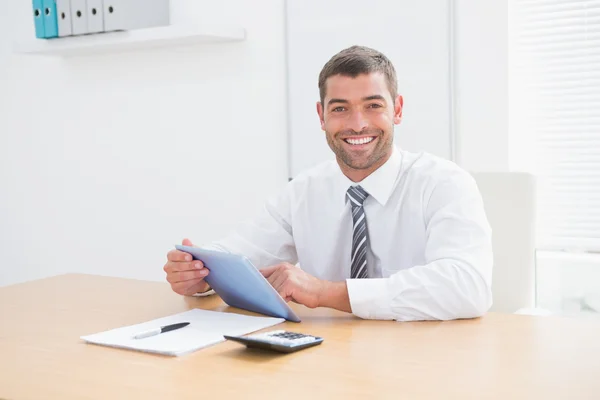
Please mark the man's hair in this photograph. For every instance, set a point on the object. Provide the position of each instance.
(358, 60)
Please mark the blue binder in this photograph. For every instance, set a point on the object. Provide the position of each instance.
(38, 19)
(50, 19)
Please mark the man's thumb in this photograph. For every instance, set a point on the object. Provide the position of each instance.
(187, 242)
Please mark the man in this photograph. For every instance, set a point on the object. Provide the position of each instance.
(382, 233)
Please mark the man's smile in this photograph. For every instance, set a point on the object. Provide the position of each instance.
(360, 142)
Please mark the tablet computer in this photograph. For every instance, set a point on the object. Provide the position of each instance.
(240, 284)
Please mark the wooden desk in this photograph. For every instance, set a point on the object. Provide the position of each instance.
(495, 357)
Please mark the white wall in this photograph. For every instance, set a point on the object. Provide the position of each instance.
(413, 35)
(107, 161)
(479, 101)
(122, 155)
(481, 84)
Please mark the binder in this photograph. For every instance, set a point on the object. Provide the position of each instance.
(50, 19)
(95, 16)
(135, 14)
(79, 17)
(63, 12)
(38, 19)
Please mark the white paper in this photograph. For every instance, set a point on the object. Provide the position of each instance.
(205, 329)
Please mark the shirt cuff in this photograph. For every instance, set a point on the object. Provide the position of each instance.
(370, 298)
(204, 294)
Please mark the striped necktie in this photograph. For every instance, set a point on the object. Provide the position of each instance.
(357, 196)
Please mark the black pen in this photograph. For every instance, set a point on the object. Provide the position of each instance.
(162, 329)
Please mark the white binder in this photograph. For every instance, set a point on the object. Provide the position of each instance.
(135, 14)
(79, 17)
(95, 16)
(63, 12)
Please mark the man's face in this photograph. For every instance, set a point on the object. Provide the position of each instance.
(358, 116)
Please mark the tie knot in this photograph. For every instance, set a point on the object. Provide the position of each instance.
(356, 195)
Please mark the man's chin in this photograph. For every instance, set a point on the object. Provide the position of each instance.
(366, 161)
(359, 164)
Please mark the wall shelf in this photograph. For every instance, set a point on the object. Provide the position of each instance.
(130, 40)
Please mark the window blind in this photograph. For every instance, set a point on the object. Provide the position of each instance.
(554, 72)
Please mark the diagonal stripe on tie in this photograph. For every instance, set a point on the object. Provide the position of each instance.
(356, 218)
(358, 261)
(361, 256)
(362, 271)
(359, 246)
(359, 192)
(355, 202)
(358, 231)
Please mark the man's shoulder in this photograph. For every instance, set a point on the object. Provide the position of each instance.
(431, 169)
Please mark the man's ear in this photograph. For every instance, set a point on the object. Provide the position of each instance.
(398, 105)
(321, 113)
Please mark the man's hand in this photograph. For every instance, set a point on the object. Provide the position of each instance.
(294, 284)
(185, 275)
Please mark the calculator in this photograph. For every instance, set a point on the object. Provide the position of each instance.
(281, 341)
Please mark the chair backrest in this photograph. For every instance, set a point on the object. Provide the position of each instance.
(509, 201)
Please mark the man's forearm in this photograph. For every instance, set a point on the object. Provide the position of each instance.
(335, 295)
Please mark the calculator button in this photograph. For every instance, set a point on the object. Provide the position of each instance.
(273, 333)
(284, 338)
(288, 335)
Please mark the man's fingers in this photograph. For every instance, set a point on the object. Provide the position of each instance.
(176, 255)
(278, 280)
(174, 266)
(187, 242)
(176, 277)
(198, 287)
(272, 277)
(195, 265)
(285, 296)
(268, 271)
(189, 287)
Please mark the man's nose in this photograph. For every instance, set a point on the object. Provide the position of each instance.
(357, 121)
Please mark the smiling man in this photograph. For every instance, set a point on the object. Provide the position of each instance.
(381, 232)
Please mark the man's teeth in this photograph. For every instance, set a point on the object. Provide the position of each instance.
(359, 141)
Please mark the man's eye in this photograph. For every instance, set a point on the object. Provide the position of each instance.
(339, 109)
(375, 105)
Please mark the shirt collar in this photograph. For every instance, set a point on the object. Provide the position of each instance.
(381, 182)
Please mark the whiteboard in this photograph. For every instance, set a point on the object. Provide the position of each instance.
(414, 35)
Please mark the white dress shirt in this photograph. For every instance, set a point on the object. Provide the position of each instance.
(429, 254)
